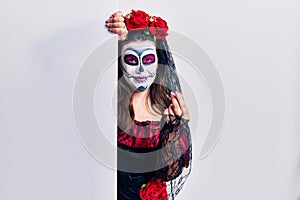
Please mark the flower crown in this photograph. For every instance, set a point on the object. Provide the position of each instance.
(139, 20)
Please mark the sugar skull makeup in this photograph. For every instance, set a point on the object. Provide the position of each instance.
(139, 61)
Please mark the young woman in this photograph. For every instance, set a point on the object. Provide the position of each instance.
(154, 141)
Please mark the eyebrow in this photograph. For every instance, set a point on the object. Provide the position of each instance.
(137, 51)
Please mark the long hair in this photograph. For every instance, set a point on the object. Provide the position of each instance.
(166, 80)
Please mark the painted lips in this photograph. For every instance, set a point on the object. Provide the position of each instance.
(141, 79)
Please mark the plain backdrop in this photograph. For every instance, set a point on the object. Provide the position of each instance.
(255, 46)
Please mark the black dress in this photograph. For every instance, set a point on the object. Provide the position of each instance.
(135, 179)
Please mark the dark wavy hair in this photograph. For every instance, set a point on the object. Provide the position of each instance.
(166, 80)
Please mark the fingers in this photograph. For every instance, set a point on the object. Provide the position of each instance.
(170, 110)
(175, 105)
(115, 19)
(116, 14)
(182, 104)
(115, 24)
(178, 106)
(166, 111)
(180, 99)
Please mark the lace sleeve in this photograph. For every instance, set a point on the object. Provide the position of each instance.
(175, 155)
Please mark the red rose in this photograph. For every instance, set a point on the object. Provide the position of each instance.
(155, 189)
(137, 20)
(159, 28)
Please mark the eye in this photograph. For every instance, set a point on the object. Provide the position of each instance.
(148, 59)
(131, 59)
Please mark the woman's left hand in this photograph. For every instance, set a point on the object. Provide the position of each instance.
(178, 107)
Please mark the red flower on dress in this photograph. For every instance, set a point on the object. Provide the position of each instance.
(137, 20)
(155, 189)
(159, 28)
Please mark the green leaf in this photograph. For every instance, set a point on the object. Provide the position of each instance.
(154, 38)
(144, 185)
(146, 32)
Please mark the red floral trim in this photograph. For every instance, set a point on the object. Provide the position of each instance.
(159, 28)
(155, 189)
(141, 135)
(139, 20)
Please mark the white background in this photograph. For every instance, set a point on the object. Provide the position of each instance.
(254, 45)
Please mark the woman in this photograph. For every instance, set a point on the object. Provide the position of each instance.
(154, 141)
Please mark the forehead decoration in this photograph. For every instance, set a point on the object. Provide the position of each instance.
(139, 20)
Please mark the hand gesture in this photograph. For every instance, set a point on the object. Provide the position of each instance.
(115, 24)
(178, 106)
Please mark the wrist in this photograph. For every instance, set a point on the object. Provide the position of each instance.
(123, 35)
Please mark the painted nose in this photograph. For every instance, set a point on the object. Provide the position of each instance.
(141, 68)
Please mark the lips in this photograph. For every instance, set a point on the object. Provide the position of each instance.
(141, 79)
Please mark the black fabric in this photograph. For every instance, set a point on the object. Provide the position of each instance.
(171, 155)
(165, 59)
(129, 184)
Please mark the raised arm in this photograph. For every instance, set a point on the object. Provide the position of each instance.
(115, 24)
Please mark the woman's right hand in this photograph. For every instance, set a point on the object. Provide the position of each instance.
(115, 24)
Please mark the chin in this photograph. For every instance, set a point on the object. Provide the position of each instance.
(142, 88)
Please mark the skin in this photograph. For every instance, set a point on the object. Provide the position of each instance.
(139, 62)
(116, 25)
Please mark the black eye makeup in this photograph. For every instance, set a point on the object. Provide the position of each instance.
(148, 59)
(131, 60)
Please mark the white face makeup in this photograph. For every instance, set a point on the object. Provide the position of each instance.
(139, 61)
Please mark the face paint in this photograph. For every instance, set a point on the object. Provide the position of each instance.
(139, 61)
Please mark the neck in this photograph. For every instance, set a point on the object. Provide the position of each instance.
(139, 96)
